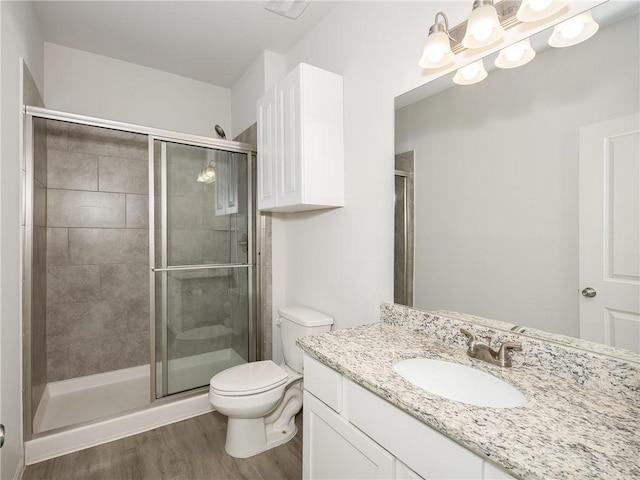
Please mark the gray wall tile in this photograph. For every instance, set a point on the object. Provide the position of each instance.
(72, 171)
(70, 208)
(138, 314)
(126, 175)
(184, 213)
(97, 355)
(126, 281)
(57, 246)
(57, 135)
(73, 284)
(58, 365)
(91, 246)
(102, 141)
(40, 150)
(194, 247)
(77, 321)
(39, 204)
(137, 211)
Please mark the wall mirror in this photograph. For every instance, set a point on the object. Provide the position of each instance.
(525, 189)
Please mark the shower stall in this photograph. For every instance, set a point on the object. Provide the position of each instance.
(139, 267)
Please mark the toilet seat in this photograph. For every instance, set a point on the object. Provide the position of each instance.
(248, 379)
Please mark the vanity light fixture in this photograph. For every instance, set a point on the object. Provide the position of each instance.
(437, 49)
(573, 31)
(486, 26)
(483, 26)
(536, 10)
(515, 55)
(470, 74)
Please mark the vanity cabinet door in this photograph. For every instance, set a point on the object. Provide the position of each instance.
(405, 473)
(334, 449)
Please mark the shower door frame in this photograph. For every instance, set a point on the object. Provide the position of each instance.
(254, 233)
(165, 269)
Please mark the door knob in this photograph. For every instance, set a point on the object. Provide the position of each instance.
(589, 292)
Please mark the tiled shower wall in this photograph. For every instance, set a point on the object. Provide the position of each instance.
(263, 223)
(97, 250)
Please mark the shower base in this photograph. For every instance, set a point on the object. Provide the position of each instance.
(82, 399)
(83, 412)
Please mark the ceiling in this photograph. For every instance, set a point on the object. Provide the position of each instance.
(210, 41)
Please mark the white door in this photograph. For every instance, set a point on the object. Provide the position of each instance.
(610, 232)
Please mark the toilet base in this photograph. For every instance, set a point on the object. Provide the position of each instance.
(247, 437)
(280, 436)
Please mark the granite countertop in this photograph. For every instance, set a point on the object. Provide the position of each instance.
(567, 429)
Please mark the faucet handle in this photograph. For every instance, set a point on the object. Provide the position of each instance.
(470, 336)
(503, 353)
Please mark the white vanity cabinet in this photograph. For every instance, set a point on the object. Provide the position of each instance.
(301, 142)
(350, 432)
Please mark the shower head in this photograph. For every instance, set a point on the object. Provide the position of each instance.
(220, 132)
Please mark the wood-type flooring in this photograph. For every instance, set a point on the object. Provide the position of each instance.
(189, 450)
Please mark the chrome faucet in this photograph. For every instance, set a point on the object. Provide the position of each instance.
(484, 352)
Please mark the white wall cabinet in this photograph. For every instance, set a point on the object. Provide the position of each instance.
(363, 436)
(301, 142)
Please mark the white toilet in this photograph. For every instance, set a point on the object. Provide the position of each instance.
(262, 399)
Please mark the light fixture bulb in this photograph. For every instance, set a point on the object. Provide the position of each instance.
(470, 74)
(573, 31)
(437, 49)
(483, 26)
(535, 10)
(539, 5)
(515, 55)
(209, 173)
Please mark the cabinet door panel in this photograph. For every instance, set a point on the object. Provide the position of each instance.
(290, 136)
(267, 150)
(333, 449)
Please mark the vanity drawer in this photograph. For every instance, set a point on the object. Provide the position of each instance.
(426, 451)
(323, 382)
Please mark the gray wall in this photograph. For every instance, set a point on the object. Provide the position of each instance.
(97, 250)
(497, 180)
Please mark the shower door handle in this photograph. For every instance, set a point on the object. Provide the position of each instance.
(1, 435)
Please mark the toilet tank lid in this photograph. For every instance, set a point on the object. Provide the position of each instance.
(304, 316)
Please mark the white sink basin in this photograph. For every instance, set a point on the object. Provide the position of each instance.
(460, 382)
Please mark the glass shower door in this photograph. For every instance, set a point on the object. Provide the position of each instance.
(203, 264)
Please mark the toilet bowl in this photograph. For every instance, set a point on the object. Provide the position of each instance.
(262, 398)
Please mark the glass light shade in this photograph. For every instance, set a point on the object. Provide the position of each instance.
(573, 31)
(287, 8)
(534, 10)
(483, 27)
(515, 55)
(437, 51)
(470, 74)
(209, 174)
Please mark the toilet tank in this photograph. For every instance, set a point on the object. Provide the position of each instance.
(295, 322)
